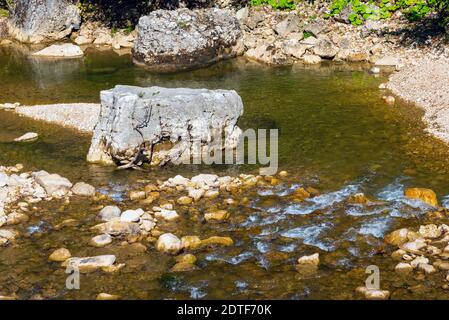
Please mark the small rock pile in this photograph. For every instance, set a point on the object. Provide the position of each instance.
(19, 192)
(425, 250)
(93, 33)
(282, 38)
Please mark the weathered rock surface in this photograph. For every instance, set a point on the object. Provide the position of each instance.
(90, 264)
(118, 228)
(66, 50)
(160, 125)
(54, 184)
(34, 21)
(170, 40)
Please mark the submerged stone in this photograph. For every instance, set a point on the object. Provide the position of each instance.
(90, 264)
(60, 255)
(83, 189)
(110, 212)
(425, 195)
(169, 243)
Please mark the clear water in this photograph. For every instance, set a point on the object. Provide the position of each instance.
(336, 134)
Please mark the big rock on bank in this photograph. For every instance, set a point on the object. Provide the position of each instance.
(170, 40)
(35, 21)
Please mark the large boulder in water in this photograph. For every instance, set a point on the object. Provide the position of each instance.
(35, 21)
(170, 40)
(161, 125)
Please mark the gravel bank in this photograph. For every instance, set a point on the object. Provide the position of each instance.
(80, 116)
(426, 84)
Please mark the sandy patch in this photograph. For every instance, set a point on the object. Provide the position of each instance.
(80, 116)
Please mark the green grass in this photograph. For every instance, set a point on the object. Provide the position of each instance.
(4, 13)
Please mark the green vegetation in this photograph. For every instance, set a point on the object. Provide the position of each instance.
(4, 13)
(276, 4)
(414, 10)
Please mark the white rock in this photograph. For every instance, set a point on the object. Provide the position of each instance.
(242, 14)
(196, 194)
(66, 50)
(29, 136)
(206, 180)
(414, 246)
(313, 259)
(3, 179)
(169, 243)
(90, 264)
(419, 260)
(147, 225)
(83, 189)
(403, 268)
(427, 268)
(8, 234)
(178, 181)
(430, 231)
(168, 215)
(131, 215)
(372, 294)
(101, 240)
(9, 106)
(54, 184)
(110, 212)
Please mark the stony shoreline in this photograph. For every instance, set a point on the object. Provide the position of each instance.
(425, 83)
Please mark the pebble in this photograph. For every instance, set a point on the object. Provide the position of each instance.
(389, 99)
(110, 212)
(403, 268)
(131, 215)
(169, 243)
(137, 195)
(184, 200)
(419, 260)
(165, 214)
(101, 240)
(430, 231)
(89, 264)
(191, 242)
(371, 294)
(29, 136)
(107, 296)
(60, 255)
(83, 189)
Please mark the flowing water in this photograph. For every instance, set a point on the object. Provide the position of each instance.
(335, 134)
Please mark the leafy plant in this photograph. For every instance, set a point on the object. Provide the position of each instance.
(276, 4)
(382, 9)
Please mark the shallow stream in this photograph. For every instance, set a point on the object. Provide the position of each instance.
(336, 135)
